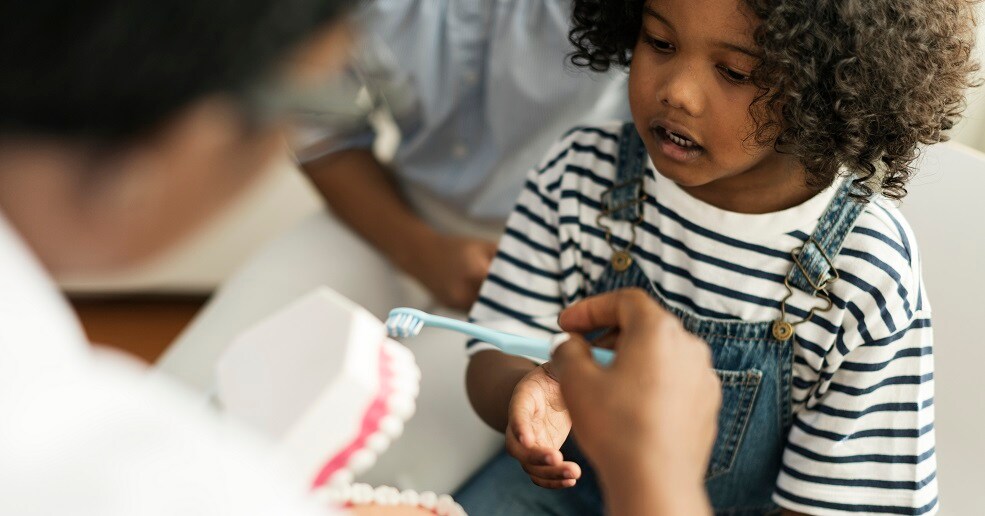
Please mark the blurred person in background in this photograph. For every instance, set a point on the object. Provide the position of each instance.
(477, 91)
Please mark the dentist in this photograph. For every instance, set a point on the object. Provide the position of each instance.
(124, 124)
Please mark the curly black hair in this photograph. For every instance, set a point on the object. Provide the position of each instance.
(858, 84)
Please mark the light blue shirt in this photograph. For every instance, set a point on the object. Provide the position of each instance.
(486, 88)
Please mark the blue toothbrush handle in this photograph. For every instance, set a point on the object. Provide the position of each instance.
(539, 348)
(506, 342)
(603, 356)
(480, 332)
(510, 343)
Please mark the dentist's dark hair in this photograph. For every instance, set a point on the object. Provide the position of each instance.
(116, 69)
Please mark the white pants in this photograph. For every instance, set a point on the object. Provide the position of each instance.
(444, 442)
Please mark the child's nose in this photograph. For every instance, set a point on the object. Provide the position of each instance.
(682, 90)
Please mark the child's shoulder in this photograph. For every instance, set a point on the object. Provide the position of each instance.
(883, 231)
(880, 267)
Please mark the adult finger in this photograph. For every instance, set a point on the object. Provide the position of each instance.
(608, 339)
(571, 362)
(630, 310)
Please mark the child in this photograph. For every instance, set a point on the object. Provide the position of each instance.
(752, 197)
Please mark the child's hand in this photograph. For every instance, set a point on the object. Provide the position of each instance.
(538, 426)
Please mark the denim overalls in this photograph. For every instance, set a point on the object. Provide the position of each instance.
(753, 359)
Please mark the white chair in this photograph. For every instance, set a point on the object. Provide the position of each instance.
(946, 208)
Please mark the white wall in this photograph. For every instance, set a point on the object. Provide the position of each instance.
(945, 209)
(971, 131)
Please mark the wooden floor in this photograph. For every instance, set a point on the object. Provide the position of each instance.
(143, 325)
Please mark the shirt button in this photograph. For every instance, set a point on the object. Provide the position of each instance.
(460, 151)
(471, 77)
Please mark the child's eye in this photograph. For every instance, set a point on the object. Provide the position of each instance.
(733, 76)
(659, 45)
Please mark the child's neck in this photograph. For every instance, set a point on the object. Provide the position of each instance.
(763, 190)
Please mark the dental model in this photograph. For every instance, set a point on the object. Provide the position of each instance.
(322, 379)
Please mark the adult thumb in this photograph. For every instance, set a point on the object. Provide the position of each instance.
(571, 359)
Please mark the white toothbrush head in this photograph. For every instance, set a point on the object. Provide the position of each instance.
(405, 322)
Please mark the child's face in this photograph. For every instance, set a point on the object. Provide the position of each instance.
(690, 93)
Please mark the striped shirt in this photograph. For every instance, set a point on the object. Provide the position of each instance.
(863, 378)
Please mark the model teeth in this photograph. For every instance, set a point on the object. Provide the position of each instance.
(680, 140)
(402, 405)
(392, 426)
(428, 500)
(341, 477)
(407, 386)
(378, 442)
(346, 495)
(362, 460)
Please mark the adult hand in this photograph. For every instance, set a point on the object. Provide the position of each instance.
(538, 426)
(648, 421)
(364, 194)
(452, 268)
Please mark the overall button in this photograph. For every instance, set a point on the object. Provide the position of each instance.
(621, 261)
(782, 330)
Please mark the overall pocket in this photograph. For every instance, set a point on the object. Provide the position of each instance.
(739, 389)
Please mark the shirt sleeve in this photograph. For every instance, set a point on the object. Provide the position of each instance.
(371, 69)
(864, 440)
(523, 292)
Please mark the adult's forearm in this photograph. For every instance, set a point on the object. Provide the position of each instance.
(363, 194)
(490, 380)
(656, 490)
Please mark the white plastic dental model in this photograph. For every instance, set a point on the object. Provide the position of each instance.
(322, 379)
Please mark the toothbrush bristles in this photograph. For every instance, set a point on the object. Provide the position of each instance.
(404, 325)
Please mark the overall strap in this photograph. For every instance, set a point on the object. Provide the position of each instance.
(814, 268)
(622, 201)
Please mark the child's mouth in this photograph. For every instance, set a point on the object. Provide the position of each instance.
(676, 146)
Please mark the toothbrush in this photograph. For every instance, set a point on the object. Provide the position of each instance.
(408, 322)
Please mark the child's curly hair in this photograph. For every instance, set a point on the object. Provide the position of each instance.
(845, 83)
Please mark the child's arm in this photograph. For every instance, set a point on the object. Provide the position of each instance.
(490, 380)
(529, 283)
(523, 292)
(866, 437)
